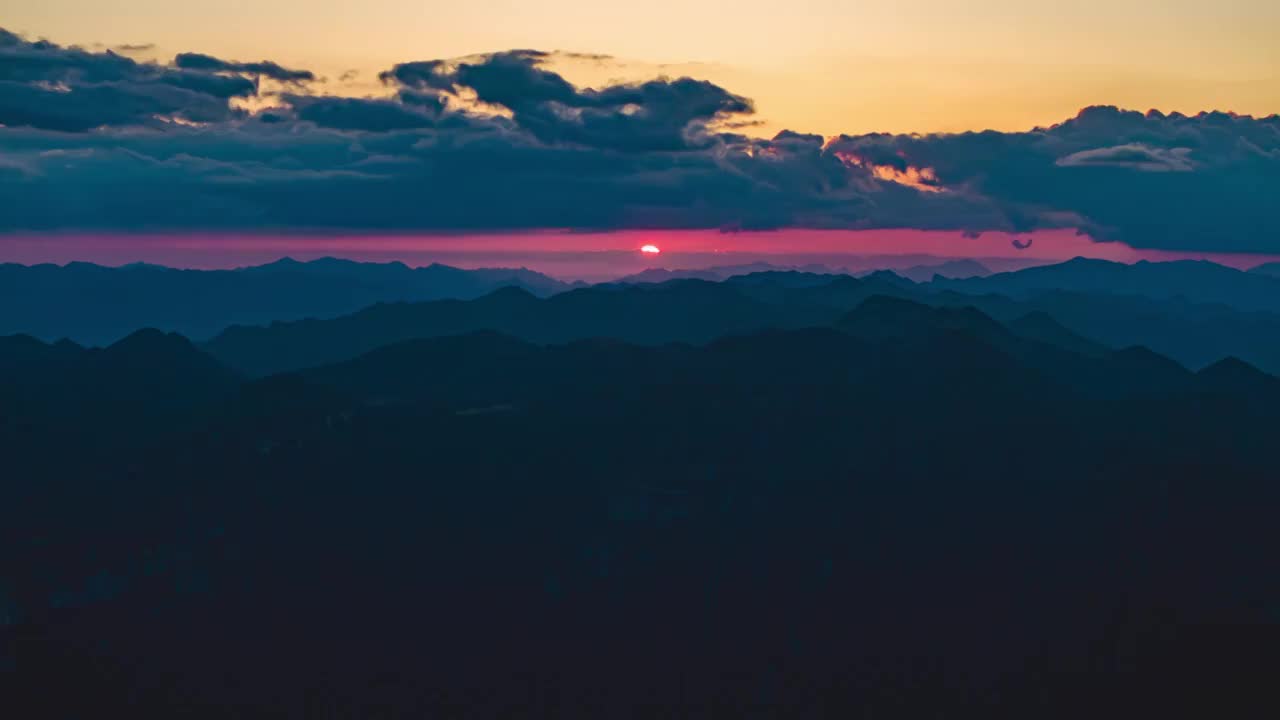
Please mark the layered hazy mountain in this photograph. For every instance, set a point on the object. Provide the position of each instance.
(1057, 484)
(94, 304)
(892, 483)
(1191, 280)
(922, 272)
(1178, 314)
(1194, 312)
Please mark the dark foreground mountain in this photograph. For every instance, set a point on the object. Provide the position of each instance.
(910, 511)
(92, 304)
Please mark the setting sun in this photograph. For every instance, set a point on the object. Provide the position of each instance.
(651, 249)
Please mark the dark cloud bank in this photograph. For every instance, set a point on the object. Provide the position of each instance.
(97, 140)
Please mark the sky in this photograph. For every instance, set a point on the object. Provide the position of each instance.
(210, 135)
(824, 66)
(597, 256)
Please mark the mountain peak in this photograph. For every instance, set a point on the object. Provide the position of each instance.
(1042, 327)
(884, 275)
(510, 293)
(1233, 373)
(886, 317)
(1153, 365)
(151, 343)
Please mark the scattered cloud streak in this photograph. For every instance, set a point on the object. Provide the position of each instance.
(265, 68)
(98, 140)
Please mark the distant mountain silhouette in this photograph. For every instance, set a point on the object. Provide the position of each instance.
(1272, 269)
(1196, 334)
(1039, 325)
(1032, 343)
(1193, 280)
(883, 335)
(724, 272)
(682, 310)
(92, 304)
(884, 317)
(957, 269)
(925, 272)
(1234, 375)
(1194, 312)
(695, 311)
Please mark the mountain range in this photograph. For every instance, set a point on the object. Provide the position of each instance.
(907, 485)
(1196, 281)
(875, 496)
(1195, 333)
(93, 304)
(1194, 312)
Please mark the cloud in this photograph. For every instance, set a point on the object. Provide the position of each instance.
(374, 115)
(658, 115)
(1153, 180)
(1135, 156)
(97, 140)
(47, 86)
(82, 108)
(265, 68)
